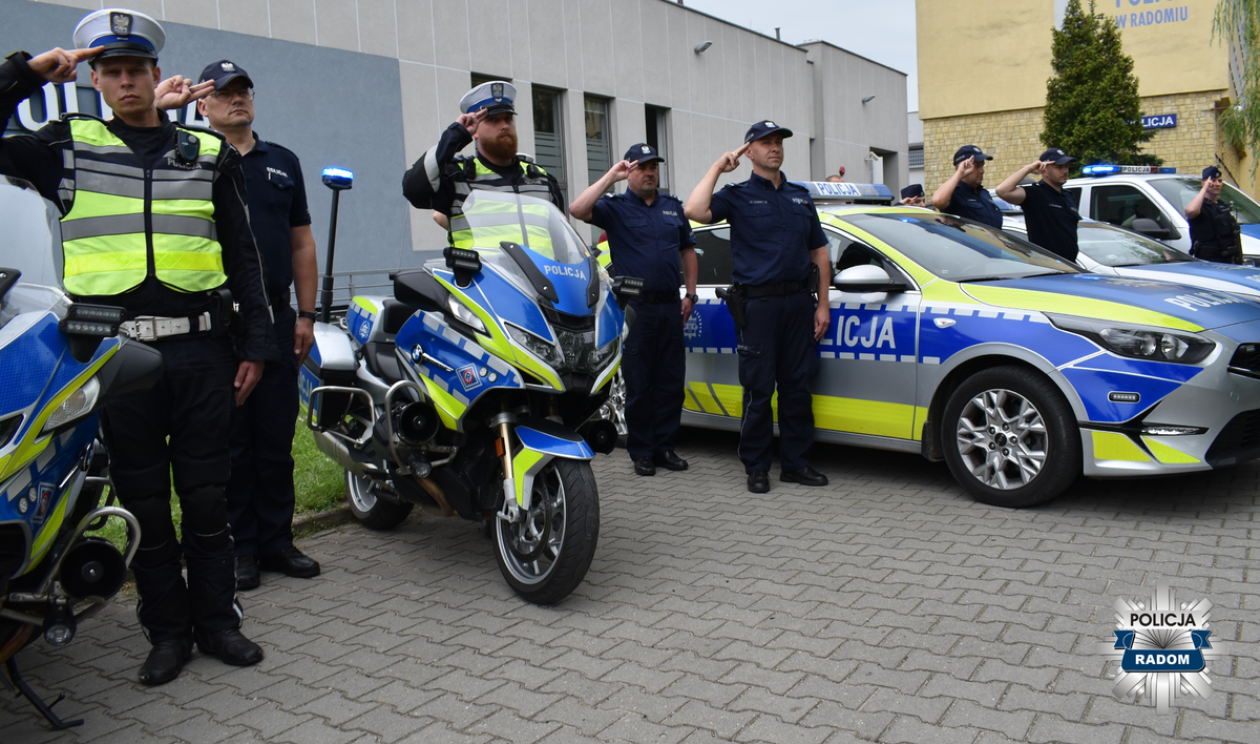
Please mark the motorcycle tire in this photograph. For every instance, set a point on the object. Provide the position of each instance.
(372, 510)
(546, 555)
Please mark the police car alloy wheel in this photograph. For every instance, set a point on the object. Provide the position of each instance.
(1010, 438)
(369, 507)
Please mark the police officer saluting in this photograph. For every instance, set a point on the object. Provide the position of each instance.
(1214, 233)
(154, 221)
(964, 193)
(442, 179)
(260, 494)
(649, 237)
(1049, 212)
(913, 196)
(780, 255)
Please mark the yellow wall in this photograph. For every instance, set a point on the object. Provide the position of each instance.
(978, 56)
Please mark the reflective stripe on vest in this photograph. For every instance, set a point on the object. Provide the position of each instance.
(466, 235)
(104, 241)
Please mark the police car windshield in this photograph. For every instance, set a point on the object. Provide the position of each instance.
(1180, 191)
(1111, 246)
(536, 225)
(960, 250)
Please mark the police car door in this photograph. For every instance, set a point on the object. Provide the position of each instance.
(713, 396)
(867, 361)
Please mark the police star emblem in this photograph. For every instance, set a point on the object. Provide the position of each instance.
(120, 24)
(1162, 647)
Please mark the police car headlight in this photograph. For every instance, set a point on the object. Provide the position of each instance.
(464, 315)
(80, 403)
(1139, 343)
(597, 359)
(539, 347)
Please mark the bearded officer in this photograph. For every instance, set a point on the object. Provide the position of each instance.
(650, 238)
(442, 179)
(153, 220)
(780, 257)
(1214, 233)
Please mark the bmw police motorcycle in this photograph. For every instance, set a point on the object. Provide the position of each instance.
(475, 389)
(59, 362)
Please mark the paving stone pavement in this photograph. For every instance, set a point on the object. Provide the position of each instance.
(887, 607)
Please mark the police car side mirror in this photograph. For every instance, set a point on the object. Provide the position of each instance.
(1149, 227)
(868, 278)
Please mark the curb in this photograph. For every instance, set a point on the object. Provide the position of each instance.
(309, 523)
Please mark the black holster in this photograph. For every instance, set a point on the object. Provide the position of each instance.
(737, 304)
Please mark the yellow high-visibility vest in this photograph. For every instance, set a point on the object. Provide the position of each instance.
(105, 243)
(485, 230)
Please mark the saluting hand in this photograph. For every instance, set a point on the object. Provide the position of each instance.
(178, 91)
(472, 121)
(1039, 166)
(60, 65)
(621, 171)
(730, 161)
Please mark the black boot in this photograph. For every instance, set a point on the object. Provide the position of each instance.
(166, 659)
(230, 647)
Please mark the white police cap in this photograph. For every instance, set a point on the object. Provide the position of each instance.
(123, 33)
(495, 97)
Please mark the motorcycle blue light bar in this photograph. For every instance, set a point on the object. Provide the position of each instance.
(338, 178)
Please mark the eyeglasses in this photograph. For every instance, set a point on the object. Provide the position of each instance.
(227, 95)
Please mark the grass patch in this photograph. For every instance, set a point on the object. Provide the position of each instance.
(318, 482)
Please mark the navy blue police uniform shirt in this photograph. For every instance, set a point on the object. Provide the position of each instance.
(645, 238)
(772, 229)
(974, 204)
(277, 202)
(1050, 216)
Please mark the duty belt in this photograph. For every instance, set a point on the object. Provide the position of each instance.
(153, 328)
(775, 290)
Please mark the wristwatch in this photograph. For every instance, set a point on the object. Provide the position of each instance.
(308, 314)
(695, 299)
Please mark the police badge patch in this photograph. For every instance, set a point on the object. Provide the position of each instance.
(120, 24)
(496, 90)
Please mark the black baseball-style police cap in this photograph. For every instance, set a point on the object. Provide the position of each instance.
(912, 191)
(1211, 172)
(1056, 156)
(970, 151)
(765, 128)
(643, 153)
(224, 72)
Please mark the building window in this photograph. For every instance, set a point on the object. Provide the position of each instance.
(549, 135)
(916, 157)
(479, 77)
(598, 139)
(658, 137)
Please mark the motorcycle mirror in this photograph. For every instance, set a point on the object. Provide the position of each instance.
(463, 262)
(626, 288)
(87, 325)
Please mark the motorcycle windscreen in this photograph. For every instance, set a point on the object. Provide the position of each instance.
(553, 262)
(31, 238)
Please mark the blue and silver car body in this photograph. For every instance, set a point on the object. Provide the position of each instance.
(894, 355)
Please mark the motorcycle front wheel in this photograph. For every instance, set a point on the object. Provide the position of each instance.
(546, 554)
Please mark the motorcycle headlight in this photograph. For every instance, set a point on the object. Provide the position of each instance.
(597, 359)
(1152, 344)
(464, 315)
(80, 403)
(539, 347)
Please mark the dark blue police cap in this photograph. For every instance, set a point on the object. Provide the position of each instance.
(224, 72)
(970, 151)
(1056, 156)
(1211, 172)
(765, 128)
(642, 153)
(912, 191)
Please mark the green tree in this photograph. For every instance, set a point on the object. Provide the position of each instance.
(1092, 106)
(1237, 24)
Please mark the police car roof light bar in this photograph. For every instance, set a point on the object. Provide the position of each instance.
(1108, 169)
(337, 179)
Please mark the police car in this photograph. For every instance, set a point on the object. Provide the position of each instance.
(1152, 200)
(1115, 251)
(963, 343)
